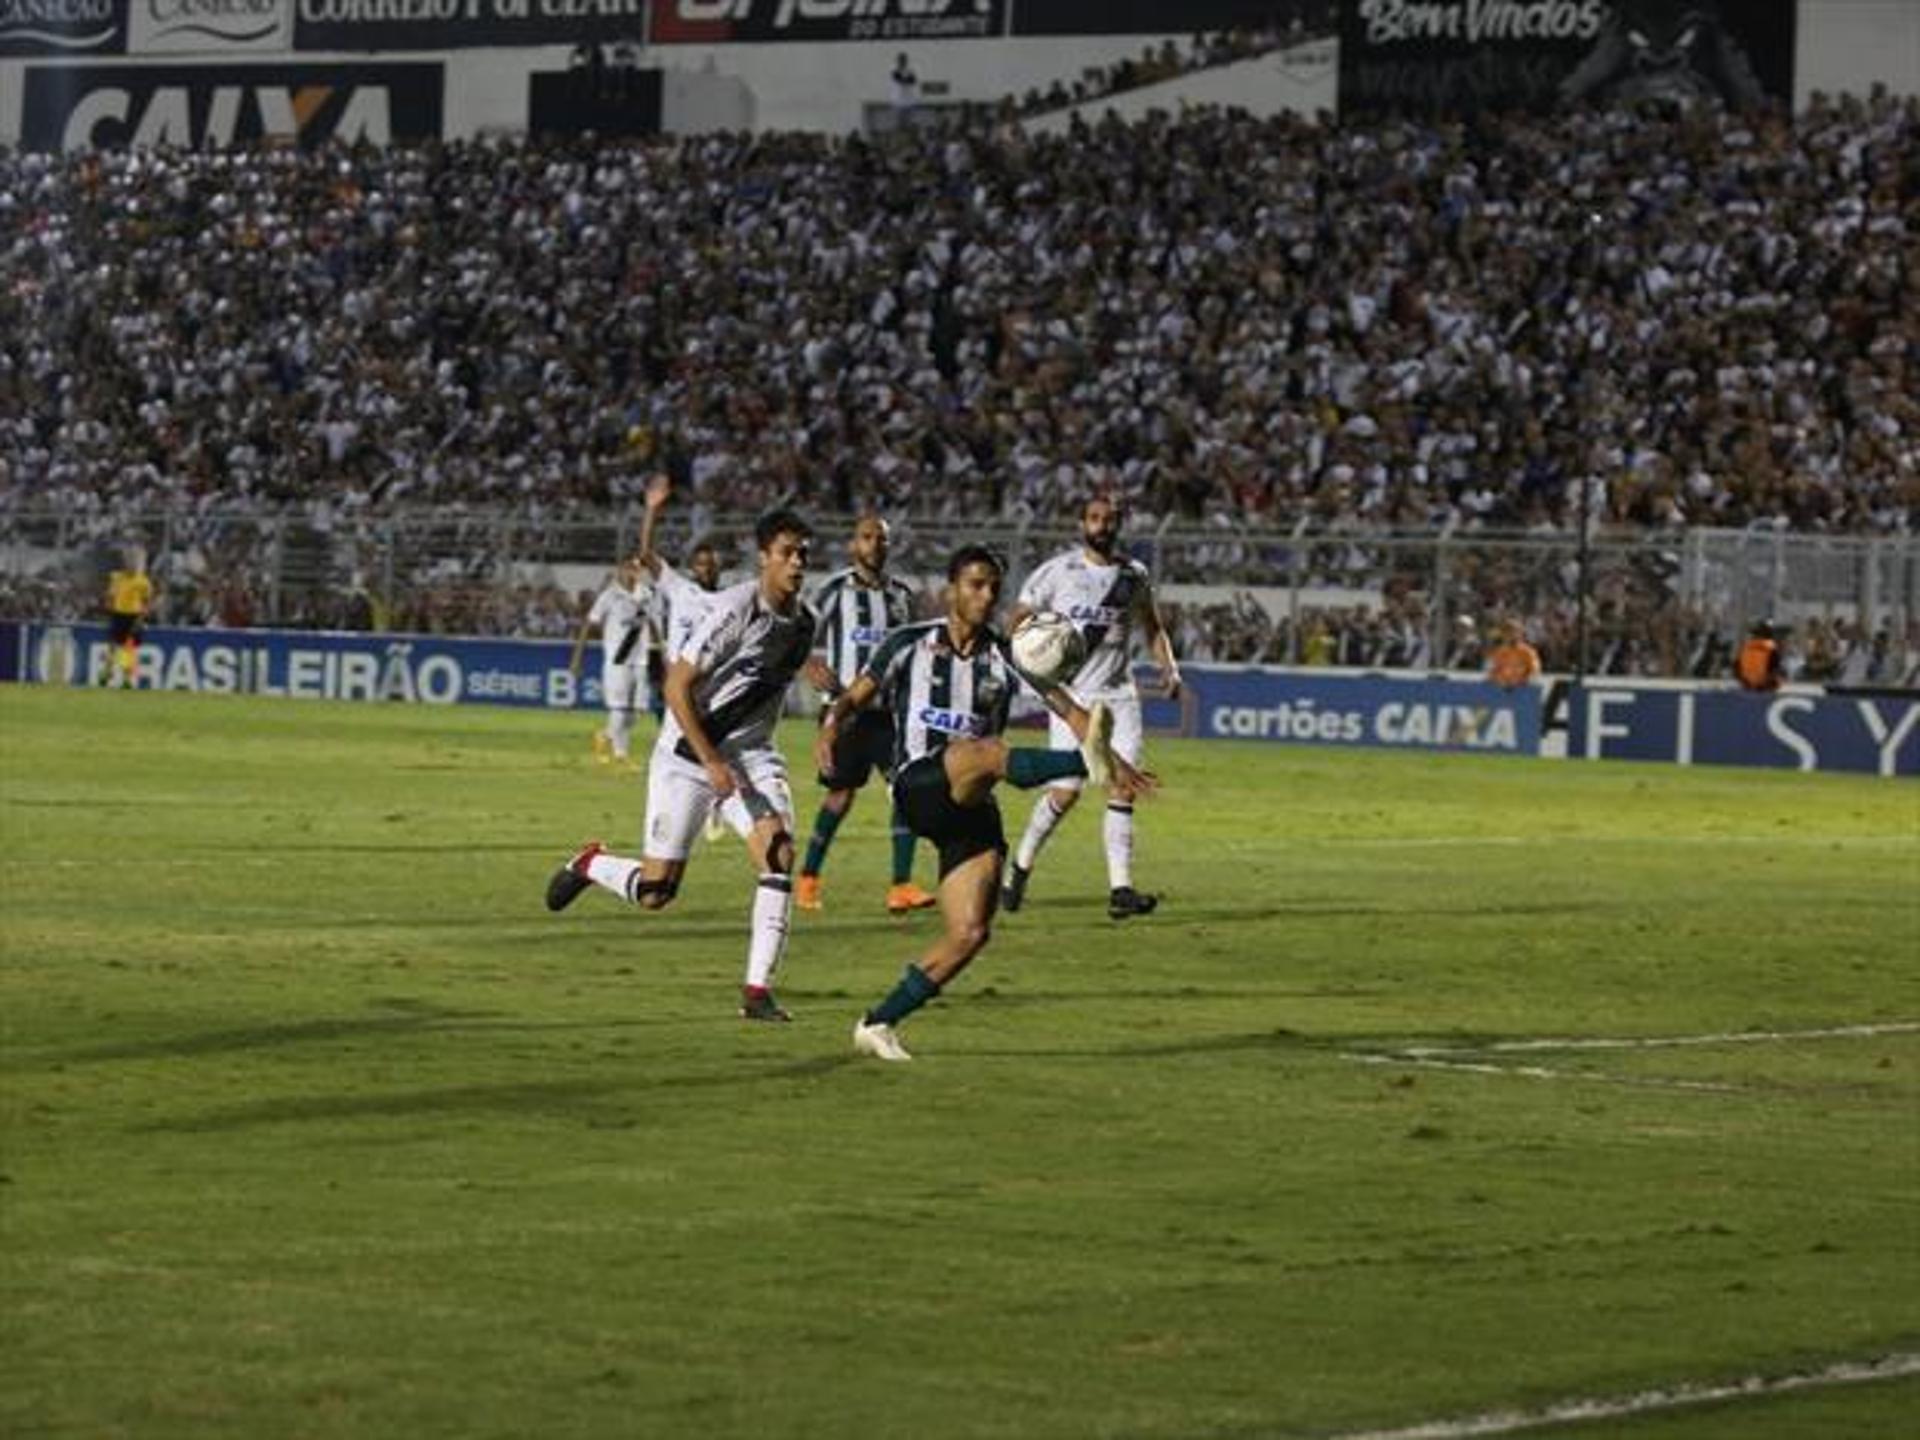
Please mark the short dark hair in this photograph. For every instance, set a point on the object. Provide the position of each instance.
(707, 542)
(776, 523)
(975, 555)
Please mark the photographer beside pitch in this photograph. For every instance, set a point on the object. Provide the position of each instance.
(950, 684)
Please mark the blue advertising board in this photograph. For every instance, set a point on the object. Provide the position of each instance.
(430, 669)
(1877, 736)
(1304, 708)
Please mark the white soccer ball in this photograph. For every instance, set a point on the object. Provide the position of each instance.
(1047, 647)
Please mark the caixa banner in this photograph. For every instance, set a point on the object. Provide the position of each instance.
(63, 27)
(215, 106)
(1292, 707)
(412, 669)
(1873, 735)
(716, 22)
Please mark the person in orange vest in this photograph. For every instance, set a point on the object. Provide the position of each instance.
(1757, 666)
(1513, 662)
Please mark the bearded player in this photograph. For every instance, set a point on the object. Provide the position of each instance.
(1109, 597)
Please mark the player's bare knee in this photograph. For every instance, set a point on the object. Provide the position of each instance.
(970, 937)
(1062, 800)
(780, 854)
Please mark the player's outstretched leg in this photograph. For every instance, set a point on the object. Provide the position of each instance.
(649, 884)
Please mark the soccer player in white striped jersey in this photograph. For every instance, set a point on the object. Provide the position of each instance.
(717, 751)
(858, 606)
(1108, 596)
(681, 601)
(950, 685)
(619, 612)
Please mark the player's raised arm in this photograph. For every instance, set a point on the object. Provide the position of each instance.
(659, 488)
(1159, 645)
(587, 622)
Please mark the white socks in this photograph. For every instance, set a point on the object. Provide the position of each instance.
(772, 904)
(1118, 833)
(620, 732)
(1040, 825)
(613, 873)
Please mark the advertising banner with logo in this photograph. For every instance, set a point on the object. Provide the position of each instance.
(1455, 56)
(213, 106)
(1248, 703)
(422, 669)
(1875, 736)
(718, 22)
(390, 25)
(209, 27)
(1137, 17)
(63, 27)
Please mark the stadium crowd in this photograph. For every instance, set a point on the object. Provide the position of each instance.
(1288, 22)
(1698, 319)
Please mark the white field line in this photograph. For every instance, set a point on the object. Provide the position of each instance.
(1542, 1072)
(1423, 842)
(1574, 1412)
(1663, 1042)
(1474, 1059)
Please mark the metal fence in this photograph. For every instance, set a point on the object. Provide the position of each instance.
(1672, 603)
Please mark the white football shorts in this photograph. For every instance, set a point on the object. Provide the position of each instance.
(623, 687)
(1127, 734)
(680, 798)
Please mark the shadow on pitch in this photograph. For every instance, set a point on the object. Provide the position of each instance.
(577, 1099)
(1174, 913)
(263, 1037)
(1250, 1042)
(417, 1018)
(322, 847)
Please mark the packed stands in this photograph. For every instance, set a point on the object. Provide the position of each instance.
(1259, 325)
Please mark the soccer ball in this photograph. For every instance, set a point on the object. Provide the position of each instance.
(1047, 647)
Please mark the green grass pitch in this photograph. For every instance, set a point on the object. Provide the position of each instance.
(316, 1124)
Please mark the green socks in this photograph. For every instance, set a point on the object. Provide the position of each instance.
(913, 991)
(1028, 766)
(902, 847)
(824, 824)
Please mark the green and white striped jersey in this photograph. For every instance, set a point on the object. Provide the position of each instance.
(938, 695)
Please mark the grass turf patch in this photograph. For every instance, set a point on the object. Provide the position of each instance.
(315, 1123)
